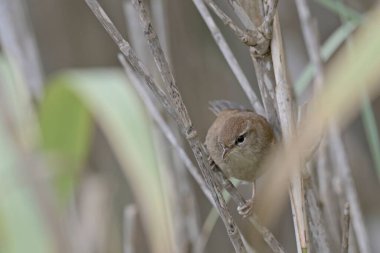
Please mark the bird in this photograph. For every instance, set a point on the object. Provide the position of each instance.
(238, 141)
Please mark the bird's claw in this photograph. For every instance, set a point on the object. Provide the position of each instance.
(245, 210)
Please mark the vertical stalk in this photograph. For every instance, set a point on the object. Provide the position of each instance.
(277, 96)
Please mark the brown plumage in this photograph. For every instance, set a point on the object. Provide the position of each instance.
(238, 141)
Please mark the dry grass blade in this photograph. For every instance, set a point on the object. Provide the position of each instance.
(284, 99)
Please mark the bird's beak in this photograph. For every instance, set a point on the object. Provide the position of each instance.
(226, 150)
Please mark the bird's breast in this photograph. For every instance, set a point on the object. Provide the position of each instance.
(241, 167)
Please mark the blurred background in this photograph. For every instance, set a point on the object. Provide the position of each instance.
(83, 161)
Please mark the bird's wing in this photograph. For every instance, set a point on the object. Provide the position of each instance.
(216, 106)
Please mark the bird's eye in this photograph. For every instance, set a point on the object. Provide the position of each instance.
(240, 139)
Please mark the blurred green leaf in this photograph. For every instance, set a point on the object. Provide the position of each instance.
(65, 130)
(353, 18)
(327, 50)
(116, 108)
(21, 226)
(341, 9)
(65, 122)
(22, 229)
(372, 132)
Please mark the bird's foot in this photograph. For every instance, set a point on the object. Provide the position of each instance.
(246, 209)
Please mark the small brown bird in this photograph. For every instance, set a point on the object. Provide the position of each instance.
(238, 141)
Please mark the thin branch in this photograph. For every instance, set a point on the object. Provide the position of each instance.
(229, 57)
(226, 184)
(345, 229)
(310, 34)
(169, 135)
(268, 237)
(340, 161)
(250, 38)
(317, 227)
(253, 219)
(135, 35)
(327, 194)
(270, 11)
(266, 82)
(159, 16)
(247, 12)
(169, 86)
(171, 99)
(259, 31)
(183, 205)
(130, 54)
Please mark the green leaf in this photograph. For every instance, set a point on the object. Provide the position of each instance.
(117, 110)
(65, 130)
(22, 227)
(372, 132)
(65, 123)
